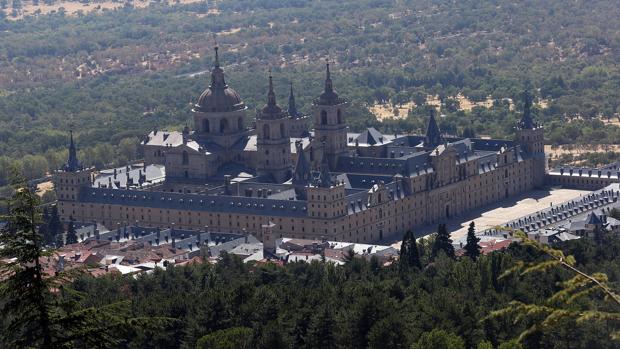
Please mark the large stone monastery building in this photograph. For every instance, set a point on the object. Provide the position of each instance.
(281, 179)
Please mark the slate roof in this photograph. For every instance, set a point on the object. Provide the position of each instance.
(433, 135)
(526, 121)
(151, 174)
(194, 202)
(164, 138)
(370, 136)
(593, 219)
(303, 171)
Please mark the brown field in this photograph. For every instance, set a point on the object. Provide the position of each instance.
(74, 8)
(580, 149)
(44, 187)
(386, 111)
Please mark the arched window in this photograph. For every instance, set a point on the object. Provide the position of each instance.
(323, 117)
(185, 158)
(339, 115)
(282, 131)
(240, 124)
(205, 125)
(266, 131)
(223, 125)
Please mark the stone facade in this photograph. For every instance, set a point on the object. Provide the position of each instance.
(346, 187)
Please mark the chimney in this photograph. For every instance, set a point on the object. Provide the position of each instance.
(227, 184)
(60, 266)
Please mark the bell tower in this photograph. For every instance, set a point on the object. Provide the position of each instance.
(273, 142)
(531, 138)
(330, 126)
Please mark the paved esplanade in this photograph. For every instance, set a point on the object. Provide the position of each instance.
(514, 208)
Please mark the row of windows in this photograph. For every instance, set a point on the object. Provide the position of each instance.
(223, 125)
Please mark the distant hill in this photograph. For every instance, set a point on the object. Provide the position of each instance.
(102, 70)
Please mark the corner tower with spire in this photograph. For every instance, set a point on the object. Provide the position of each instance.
(69, 181)
(433, 136)
(273, 141)
(530, 137)
(330, 126)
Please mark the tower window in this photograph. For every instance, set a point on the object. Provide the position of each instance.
(223, 125)
(185, 158)
(339, 115)
(323, 117)
(266, 131)
(282, 131)
(205, 126)
(240, 124)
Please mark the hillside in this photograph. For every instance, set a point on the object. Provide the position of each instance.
(114, 74)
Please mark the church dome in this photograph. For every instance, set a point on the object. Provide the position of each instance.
(219, 100)
(219, 97)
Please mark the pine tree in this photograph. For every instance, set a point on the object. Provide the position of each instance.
(35, 317)
(71, 237)
(409, 254)
(321, 329)
(472, 249)
(54, 225)
(27, 312)
(44, 228)
(443, 242)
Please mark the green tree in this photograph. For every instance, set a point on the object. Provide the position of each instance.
(472, 249)
(26, 293)
(439, 339)
(321, 329)
(33, 315)
(71, 237)
(513, 344)
(570, 302)
(443, 242)
(54, 225)
(409, 253)
(230, 338)
(484, 345)
(388, 333)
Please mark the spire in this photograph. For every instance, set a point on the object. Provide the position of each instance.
(271, 96)
(303, 172)
(526, 121)
(217, 57)
(329, 95)
(325, 178)
(433, 135)
(271, 110)
(329, 87)
(292, 107)
(217, 74)
(72, 163)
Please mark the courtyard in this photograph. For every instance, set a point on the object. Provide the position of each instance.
(504, 211)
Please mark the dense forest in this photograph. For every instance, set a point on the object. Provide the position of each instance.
(527, 296)
(117, 74)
